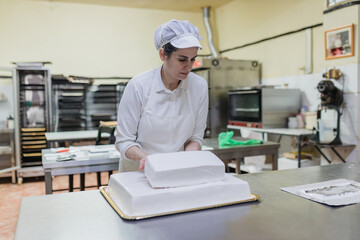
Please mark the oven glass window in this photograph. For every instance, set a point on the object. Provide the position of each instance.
(245, 106)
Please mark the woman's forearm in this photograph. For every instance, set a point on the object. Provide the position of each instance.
(135, 153)
(192, 146)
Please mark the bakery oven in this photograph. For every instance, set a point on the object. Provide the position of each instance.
(263, 107)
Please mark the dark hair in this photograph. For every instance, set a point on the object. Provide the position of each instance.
(169, 49)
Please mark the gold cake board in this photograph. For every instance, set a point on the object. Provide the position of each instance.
(127, 217)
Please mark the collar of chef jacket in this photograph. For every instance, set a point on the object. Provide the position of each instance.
(159, 85)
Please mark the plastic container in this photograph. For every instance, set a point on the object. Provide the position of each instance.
(10, 122)
(300, 120)
(292, 122)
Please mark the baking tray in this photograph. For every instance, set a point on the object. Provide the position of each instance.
(104, 192)
(33, 138)
(33, 129)
(33, 134)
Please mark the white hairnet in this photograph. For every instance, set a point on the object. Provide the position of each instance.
(181, 34)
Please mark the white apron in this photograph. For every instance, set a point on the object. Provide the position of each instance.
(161, 134)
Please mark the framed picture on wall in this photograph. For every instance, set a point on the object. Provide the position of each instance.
(339, 42)
(337, 3)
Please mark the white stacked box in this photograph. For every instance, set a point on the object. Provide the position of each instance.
(183, 169)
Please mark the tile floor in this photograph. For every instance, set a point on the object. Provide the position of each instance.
(12, 194)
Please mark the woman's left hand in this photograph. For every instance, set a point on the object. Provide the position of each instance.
(142, 163)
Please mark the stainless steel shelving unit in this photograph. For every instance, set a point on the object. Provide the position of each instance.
(80, 103)
(8, 165)
(7, 151)
(33, 111)
(103, 100)
(69, 106)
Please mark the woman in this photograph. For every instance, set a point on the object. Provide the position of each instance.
(164, 109)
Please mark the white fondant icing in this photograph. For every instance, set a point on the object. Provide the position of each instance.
(183, 168)
(133, 194)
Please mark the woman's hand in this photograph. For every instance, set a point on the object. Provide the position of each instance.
(142, 164)
(137, 154)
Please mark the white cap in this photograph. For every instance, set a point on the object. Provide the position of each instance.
(181, 34)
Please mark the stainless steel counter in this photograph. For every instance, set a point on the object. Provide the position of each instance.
(278, 214)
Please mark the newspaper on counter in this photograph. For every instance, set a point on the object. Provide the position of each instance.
(334, 193)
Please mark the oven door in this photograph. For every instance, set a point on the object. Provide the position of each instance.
(245, 106)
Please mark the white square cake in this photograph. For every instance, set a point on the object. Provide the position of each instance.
(133, 194)
(183, 168)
